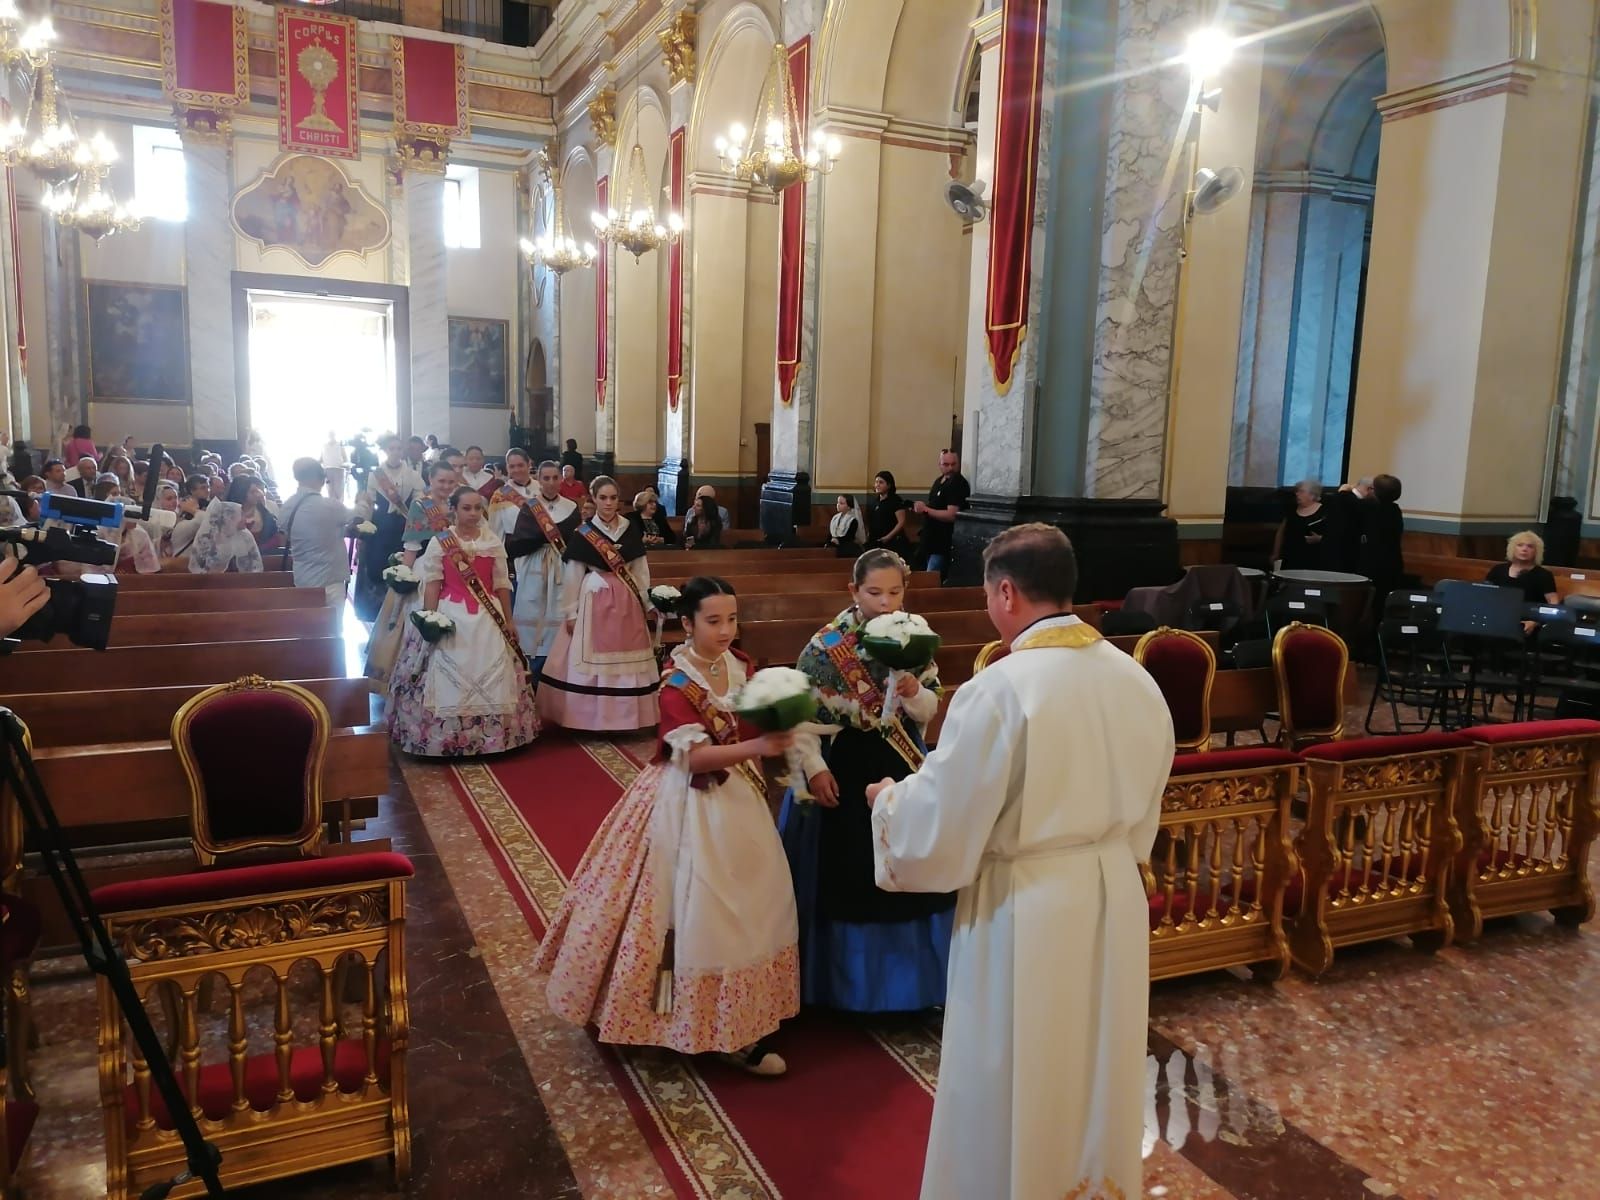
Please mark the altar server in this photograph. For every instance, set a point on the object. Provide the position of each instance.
(1040, 803)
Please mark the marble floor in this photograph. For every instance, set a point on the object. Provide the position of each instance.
(1465, 1075)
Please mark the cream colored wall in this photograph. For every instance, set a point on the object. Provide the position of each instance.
(1201, 414)
(716, 363)
(762, 240)
(639, 323)
(483, 283)
(575, 391)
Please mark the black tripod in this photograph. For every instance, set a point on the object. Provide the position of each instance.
(22, 777)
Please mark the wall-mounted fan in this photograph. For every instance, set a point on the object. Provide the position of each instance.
(1213, 189)
(966, 200)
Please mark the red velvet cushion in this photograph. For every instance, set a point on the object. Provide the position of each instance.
(19, 930)
(20, 1116)
(1180, 907)
(1312, 671)
(1386, 747)
(1531, 731)
(1220, 762)
(1179, 667)
(231, 883)
(250, 749)
(261, 1080)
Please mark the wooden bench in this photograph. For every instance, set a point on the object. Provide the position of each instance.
(172, 600)
(1432, 568)
(717, 560)
(183, 581)
(822, 607)
(820, 581)
(170, 629)
(157, 666)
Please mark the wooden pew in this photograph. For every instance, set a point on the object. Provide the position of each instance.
(822, 607)
(155, 666)
(172, 600)
(179, 581)
(820, 581)
(1431, 568)
(716, 560)
(170, 629)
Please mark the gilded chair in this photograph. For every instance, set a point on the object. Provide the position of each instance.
(1184, 668)
(1222, 862)
(1528, 809)
(253, 751)
(1378, 844)
(1309, 665)
(332, 1087)
(19, 938)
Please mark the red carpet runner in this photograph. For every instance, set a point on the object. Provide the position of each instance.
(851, 1117)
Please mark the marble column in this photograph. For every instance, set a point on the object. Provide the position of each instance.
(1147, 170)
(672, 474)
(62, 335)
(208, 262)
(13, 382)
(430, 309)
(608, 163)
(1575, 475)
(786, 492)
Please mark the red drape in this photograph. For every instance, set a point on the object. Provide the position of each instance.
(602, 196)
(791, 255)
(1016, 155)
(318, 115)
(675, 271)
(205, 53)
(430, 87)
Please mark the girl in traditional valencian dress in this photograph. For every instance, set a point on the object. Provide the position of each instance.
(467, 693)
(602, 672)
(678, 928)
(429, 517)
(862, 949)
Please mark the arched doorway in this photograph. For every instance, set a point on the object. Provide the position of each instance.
(1311, 222)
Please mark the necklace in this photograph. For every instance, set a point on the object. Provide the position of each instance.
(713, 666)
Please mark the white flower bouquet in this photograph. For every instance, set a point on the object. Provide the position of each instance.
(401, 578)
(776, 699)
(366, 529)
(431, 624)
(665, 598)
(901, 641)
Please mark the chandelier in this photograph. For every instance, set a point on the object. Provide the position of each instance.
(51, 152)
(636, 229)
(771, 153)
(557, 251)
(90, 208)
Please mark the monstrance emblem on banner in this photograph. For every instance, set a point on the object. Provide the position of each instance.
(318, 68)
(318, 109)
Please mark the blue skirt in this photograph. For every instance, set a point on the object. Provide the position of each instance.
(877, 966)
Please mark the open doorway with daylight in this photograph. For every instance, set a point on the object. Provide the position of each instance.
(320, 367)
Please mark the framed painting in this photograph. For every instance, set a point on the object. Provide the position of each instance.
(479, 354)
(138, 335)
(311, 208)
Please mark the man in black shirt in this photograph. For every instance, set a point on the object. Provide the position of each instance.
(947, 497)
(571, 458)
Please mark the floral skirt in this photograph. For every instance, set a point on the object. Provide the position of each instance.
(417, 730)
(606, 942)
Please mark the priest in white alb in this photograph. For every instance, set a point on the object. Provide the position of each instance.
(1039, 805)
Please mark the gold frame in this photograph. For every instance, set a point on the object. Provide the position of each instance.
(308, 839)
(90, 396)
(1289, 736)
(990, 652)
(1141, 647)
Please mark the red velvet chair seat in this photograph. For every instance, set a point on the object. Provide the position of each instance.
(1221, 762)
(261, 1080)
(232, 883)
(251, 750)
(1357, 749)
(1182, 669)
(1531, 731)
(1313, 671)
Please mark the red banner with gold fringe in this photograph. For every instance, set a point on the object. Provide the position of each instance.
(205, 53)
(430, 87)
(1016, 156)
(675, 199)
(602, 273)
(318, 99)
(792, 248)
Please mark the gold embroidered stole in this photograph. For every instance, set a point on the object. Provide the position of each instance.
(451, 546)
(723, 725)
(1068, 637)
(615, 563)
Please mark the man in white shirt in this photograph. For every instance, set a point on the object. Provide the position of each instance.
(476, 475)
(536, 534)
(313, 526)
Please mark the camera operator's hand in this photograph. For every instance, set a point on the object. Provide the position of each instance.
(22, 593)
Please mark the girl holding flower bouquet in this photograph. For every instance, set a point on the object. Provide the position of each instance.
(429, 517)
(678, 928)
(466, 693)
(862, 949)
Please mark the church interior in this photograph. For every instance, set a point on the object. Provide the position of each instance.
(1286, 312)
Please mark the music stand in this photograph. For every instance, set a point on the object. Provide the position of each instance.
(1483, 612)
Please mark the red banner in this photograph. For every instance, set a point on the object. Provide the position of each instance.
(430, 87)
(1016, 155)
(792, 249)
(675, 270)
(602, 203)
(318, 110)
(205, 53)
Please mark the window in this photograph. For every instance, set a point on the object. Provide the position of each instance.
(160, 184)
(461, 224)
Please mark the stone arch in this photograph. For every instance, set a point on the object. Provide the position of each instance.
(730, 83)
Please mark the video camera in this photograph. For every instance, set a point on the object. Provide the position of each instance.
(65, 532)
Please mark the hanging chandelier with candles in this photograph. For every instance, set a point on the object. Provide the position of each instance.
(557, 251)
(774, 152)
(90, 208)
(635, 229)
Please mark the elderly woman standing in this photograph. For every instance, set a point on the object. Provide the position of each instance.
(1303, 541)
(1524, 569)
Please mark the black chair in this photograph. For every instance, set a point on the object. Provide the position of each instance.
(1217, 616)
(1120, 623)
(1293, 605)
(1488, 645)
(1569, 669)
(1413, 670)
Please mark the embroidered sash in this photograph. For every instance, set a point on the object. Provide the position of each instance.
(435, 516)
(841, 648)
(451, 546)
(723, 726)
(541, 516)
(390, 490)
(615, 563)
